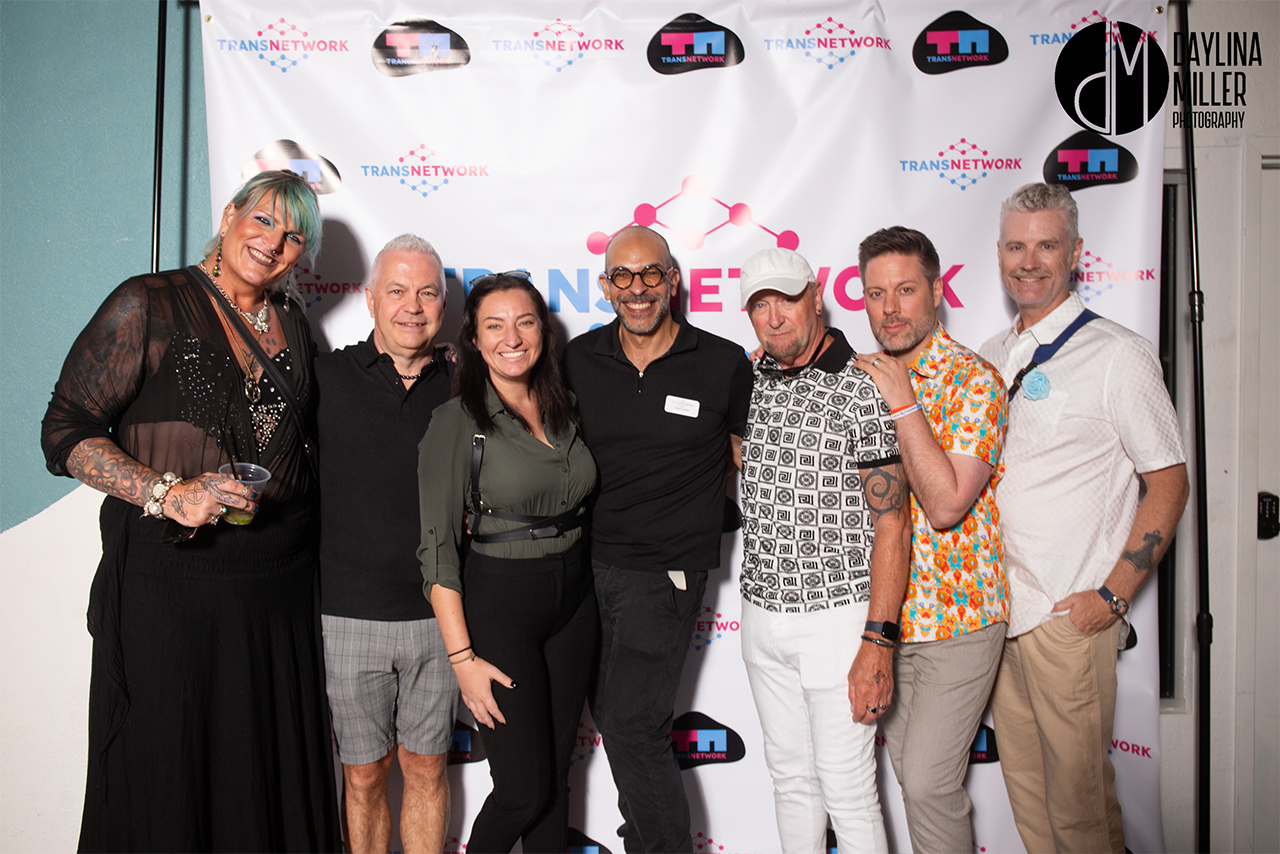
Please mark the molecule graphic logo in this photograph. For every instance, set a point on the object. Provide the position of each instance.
(1095, 275)
(424, 185)
(1087, 159)
(319, 171)
(1111, 77)
(830, 27)
(962, 164)
(423, 171)
(692, 191)
(957, 41)
(416, 45)
(703, 844)
(554, 36)
(282, 45)
(283, 29)
(711, 626)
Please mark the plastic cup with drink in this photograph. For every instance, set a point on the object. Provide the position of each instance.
(248, 473)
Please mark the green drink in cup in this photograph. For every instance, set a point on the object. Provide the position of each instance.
(250, 473)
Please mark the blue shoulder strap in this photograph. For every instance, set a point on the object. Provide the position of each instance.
(1045, 352)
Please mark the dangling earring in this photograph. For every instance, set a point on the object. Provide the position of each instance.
(217, 262)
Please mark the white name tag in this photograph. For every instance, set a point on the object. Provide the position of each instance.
(682, 406)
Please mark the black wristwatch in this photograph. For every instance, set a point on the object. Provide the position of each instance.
(889, 631)
(1118, 604)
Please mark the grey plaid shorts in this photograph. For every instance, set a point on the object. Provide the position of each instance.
(389, 682)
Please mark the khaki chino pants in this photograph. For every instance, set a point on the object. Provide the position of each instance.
(1053, 706)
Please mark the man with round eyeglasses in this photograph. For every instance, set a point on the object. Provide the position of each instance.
(663, 407)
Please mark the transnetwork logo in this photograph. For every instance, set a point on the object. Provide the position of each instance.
(1087, 159)
(283, 45)
(415, 45)
(313, 287)
(319, 172)
(699, 740)
(829, 43)
(962, 164)
(422, 170)
(956, 41)
(712, 625)
(557, 45)
(466, 746)
(692, 43)
(1093, 278)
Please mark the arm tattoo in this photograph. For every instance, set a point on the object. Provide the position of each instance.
(885, 490)
(1144, 558)
(101, 463)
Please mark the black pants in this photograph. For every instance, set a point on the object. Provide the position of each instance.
(647, 624)
(535, 619)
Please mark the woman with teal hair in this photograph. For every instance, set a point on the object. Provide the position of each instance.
(208, 724)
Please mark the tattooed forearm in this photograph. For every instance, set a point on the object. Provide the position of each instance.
(885, 490)
(101, 463)
(1143, 558)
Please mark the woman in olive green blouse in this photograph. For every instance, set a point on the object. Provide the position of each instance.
(522, 613)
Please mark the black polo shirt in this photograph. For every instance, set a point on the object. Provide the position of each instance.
(369, 427)
(661, 442)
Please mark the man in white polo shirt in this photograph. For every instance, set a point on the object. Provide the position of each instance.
(1095, 482)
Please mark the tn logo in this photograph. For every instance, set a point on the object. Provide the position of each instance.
(703, 43)
(968, 41)
(428, 44)
(1097, 159)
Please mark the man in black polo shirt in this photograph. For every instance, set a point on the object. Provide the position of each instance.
(663, 407)
(389, 681)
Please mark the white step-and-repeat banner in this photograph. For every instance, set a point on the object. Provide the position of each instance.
(523, 134)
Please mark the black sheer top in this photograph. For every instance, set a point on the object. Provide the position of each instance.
(154, 372)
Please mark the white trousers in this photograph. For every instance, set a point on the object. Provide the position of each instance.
(822, 763)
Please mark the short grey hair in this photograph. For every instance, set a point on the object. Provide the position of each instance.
(410, 243)
(1030, 198)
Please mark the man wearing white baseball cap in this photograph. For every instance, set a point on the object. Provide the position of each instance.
(826, 543)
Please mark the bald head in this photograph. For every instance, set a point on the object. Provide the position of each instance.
(642, 238)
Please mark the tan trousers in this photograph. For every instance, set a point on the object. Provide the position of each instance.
(1053, 706)
(939, 692)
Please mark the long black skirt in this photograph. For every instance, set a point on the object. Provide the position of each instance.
(208, 722)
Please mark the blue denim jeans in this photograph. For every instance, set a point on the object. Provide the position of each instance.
(646, 625)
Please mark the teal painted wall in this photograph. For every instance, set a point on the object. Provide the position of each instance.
(77, 125)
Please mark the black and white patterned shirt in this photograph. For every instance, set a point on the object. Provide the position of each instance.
(807, 534)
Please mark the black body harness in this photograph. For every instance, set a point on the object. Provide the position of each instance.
(535, 527)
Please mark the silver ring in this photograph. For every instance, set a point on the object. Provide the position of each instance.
(222, 510)
(875, 363)
(884, 708)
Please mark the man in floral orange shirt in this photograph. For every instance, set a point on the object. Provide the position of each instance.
(949, 408)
